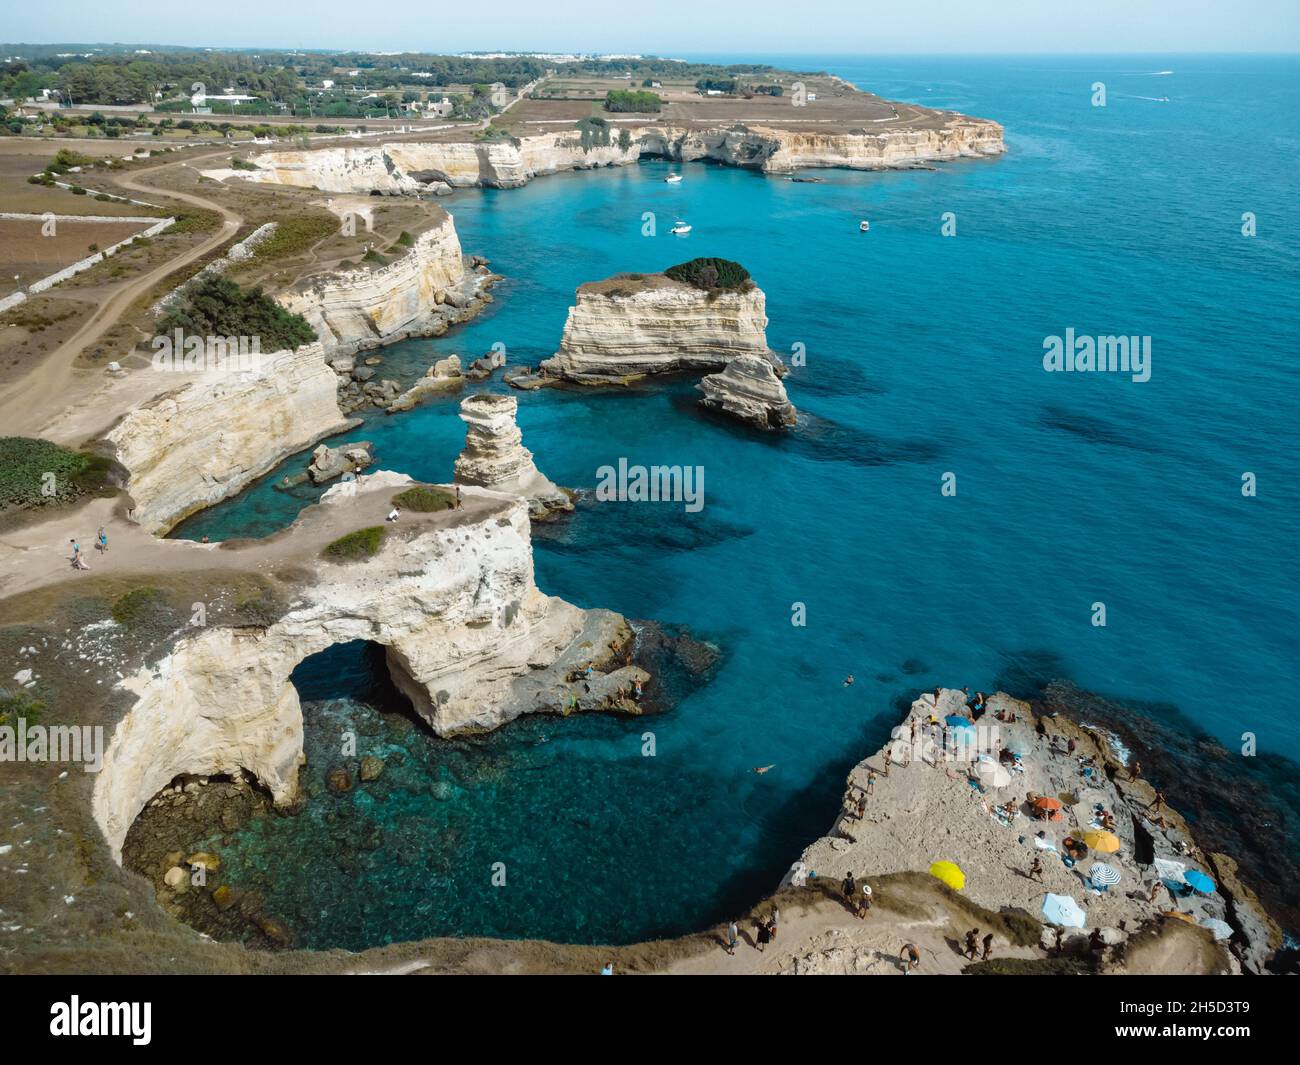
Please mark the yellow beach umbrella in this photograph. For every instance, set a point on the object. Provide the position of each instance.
(949, 874)
(1105, 842)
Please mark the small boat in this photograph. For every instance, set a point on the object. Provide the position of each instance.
(864, 226)
(680, 229)
(672, 179)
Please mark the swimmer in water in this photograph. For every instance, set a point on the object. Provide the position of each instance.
(848, 681)
(760, 769)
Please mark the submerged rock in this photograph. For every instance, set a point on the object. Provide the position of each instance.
(749, 390)
(338, 780)
(371, 768)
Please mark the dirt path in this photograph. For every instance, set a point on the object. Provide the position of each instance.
(826, 939)
(40, 554)
(54, 399)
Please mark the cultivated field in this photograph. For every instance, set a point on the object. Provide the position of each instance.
(28, 251)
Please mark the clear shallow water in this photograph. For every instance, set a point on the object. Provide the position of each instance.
(924, 356)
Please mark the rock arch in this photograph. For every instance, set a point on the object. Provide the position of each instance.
(469, 638)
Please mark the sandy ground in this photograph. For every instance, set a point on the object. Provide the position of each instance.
(69, 405)
(40, 554)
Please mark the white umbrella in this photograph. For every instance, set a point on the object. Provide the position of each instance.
(1103, 874)
(993, 774)
(1220, 929)
(1170, 869)
(1063, 910)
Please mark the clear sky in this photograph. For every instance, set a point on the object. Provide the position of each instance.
(673, 27)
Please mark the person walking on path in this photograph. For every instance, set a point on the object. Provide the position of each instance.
(101, 540)
(972, 943)
(910, 957)
(458, 502)
(732, 935)
(988, 947)
(764, 936)
(871, 781)
(850, 888)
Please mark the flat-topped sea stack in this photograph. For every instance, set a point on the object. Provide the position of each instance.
(695, 316)
(495, 457)
(748, 389)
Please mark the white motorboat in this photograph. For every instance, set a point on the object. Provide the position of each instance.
(864, 226)
(672, 179)
(680, 229)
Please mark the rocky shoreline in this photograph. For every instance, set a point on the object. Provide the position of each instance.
(920, 800)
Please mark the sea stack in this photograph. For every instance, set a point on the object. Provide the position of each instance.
(748, 389)
(494, 456)
(695, 316)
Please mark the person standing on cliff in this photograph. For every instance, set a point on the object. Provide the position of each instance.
(972, 943)
(764, 936)
(850, 888)
(1136, 772)
(910, 956)
(889, 757)
(988, 947)
(871, 782)
(733, 934)
(1036, 870)
(458, 504)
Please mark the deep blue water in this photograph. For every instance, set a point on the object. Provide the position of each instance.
(924, 356)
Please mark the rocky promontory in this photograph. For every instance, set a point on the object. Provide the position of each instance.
(687, 318)
(494, 456)
(749, 390)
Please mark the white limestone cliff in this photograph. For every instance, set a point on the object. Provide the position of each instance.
(749, 390)
(213, 434)
(494, 455)
(421, 293)
(411, 167)
(469, 636)
(636, 324)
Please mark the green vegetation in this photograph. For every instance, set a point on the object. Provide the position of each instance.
(424, 500)
(712, 275)
(364, 543)
(716, 84)
(20, 704)
(296, 234)
(217, 306)
(137, 606)
(405, 239)
(632, 100)
(35, 473)
(593, 132)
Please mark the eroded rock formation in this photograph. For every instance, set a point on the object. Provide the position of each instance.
(469, 637)
(749, 390)
(636, 324)
(494, 455)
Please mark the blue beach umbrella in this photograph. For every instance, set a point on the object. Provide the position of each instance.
(956, 721)
(1198, 881)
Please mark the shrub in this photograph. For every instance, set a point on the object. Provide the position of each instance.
(424, 500)
(405, 239)
(20, 704)
(37, 472)
(217, 306)
(712, 275)
(137, 606)
(295, 234)
(632, 100)
(363, 543)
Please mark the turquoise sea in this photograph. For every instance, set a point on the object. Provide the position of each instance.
(923, 357)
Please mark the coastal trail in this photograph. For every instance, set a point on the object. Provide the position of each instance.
(56, 397)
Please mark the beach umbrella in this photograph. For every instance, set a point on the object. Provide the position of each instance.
(957, 721)
(949, 874)
(1101, 840)
(1102, 874)
(1064, 911)
(994, 775)
(1046, 802)
(1198, 881)
(1219, 929)
(1170, 870)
